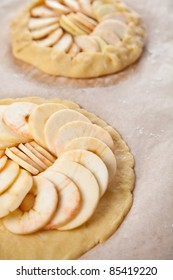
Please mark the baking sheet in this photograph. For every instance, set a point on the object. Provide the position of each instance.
(139, 104)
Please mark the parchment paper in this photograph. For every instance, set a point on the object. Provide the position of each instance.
(139, 104)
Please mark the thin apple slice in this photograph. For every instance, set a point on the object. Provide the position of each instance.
(46, 199)
(86, 7)
(115, 16)
(40, 165)
(7, 136)
(56, 121)
(92, 162)
(16, 117)
(38, 119)
(88, 188)
(69, 26)
(52, 39)
(45, 162)
(87, 43)
(43, 32)
(102, 44)
(65, 43)
(73, 18)
(74, 50)
(98, 147)
(3, 161)
(118, 27)
(69, 198)
(37, 23)
(11, 154)
(55, 5)
(72, 4)
(8, 175)
(12, 198)
(43, 12)
(77, 129)
(42, 151)
(86, 21)
(108, 36)
(103, 10)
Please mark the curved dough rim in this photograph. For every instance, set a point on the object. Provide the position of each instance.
(113, 207)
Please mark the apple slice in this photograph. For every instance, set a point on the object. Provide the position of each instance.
(72, 4)
(37, 23)
(56, 121)
(69, 26)
(40, 165)
(85, 20)
(38, 119)
(102, 44)
(102, 10)
(3, 161)
(116, 26)
(46, 199)
(16, 117)
(77, 129)
(86, 7)
(12, 198)
(45, 162)
(96, 146)
(87, 43)
(11, 154)
(69, 198)
(88, 188)
(8, 175)
(43, 32)
(7, 136)
(74, 50)
(42, 11)
(108, 36)
(65, 43)
(52, 39)
(92, 162)
(76, 22)
(42, 151)
(115, 16)
(55, 5)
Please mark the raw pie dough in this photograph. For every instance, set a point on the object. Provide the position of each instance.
(112, 208)
(79, 39)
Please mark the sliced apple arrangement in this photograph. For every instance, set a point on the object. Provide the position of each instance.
(55, 166)
(78, 38)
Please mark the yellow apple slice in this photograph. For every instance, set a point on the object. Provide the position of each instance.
(11, 154)
(46, 199)
(12, 198)
(86, 21)
(65, 43)
(76, 22)
(38, 119)
(43, 12)
(108, 36)
(52, 39)
(102, 44)
(7, 175)
(4, 145)
(3, 161)
(40, 165)
(103, 10)
(119, 28)
(77, 129)
(42, 151)
(43, 32)
(98, 147)
(69, 26)
(87, 43)
(115, 16)
(55, 5)
(45, 162)
(88, 187)
(7, 136)
(74, 50)
(16, 117)
(69, 198)
(72, 4)
(92, 162)
(85, 6)
(56, 121)
(37, 23)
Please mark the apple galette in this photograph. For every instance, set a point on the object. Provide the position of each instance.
(80, 39)
(66, 179)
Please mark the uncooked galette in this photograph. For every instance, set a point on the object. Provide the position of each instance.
(80, 39)
(65, 179)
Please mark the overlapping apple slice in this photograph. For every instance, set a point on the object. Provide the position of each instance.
(56, 121)
(8, 175)
(45, 204)
(3, 161)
